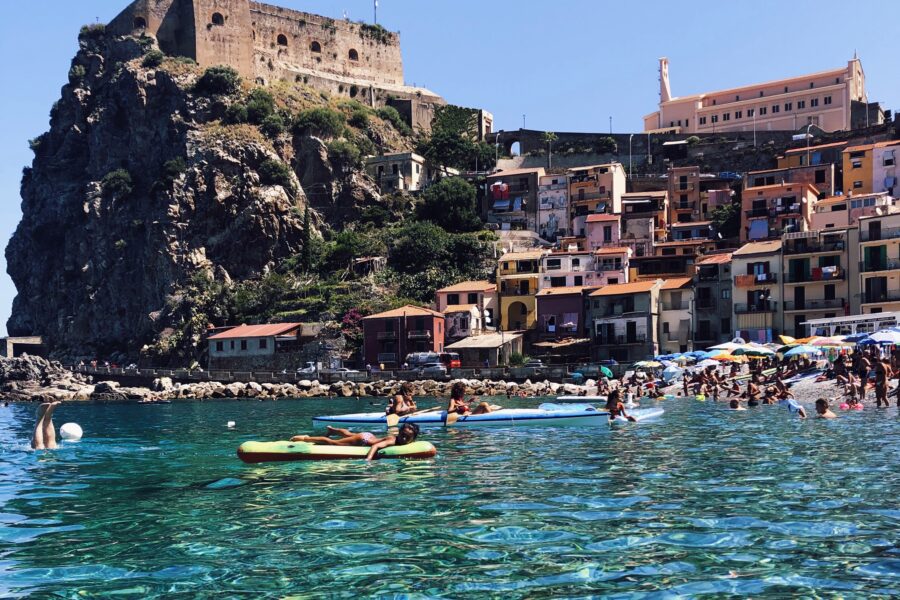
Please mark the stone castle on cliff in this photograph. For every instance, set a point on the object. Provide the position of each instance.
(267, 43)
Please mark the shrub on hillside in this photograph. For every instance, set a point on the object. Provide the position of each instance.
(218, 81)
(153, 59)
(117, 183)
(344, 154)
(359, 119)
(321, 122)
(76, 74)
(451, 203)
(392, 116)
(273, 172)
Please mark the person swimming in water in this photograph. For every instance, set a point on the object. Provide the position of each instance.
(406, 435)
(822, 409)
(44, 436)
(616, 408)
(735, 404)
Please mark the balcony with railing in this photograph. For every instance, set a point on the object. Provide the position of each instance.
(755, 279)
(758, 307)
(553, 186)
(880, 297)
(419, 334)
(708, 274)
(802, 247)
(387, 335)
(816, 275)
(684, 187)
(621, 340)
(757, 213)
(680, 206)
(786, 210)
(807, 305)
(706, 304)
(577, 197)
(873, 266)
(883, 234)
(682, 305)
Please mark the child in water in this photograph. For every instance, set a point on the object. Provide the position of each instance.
(822, 409)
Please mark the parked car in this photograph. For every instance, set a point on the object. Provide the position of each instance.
(729, 175)
(309, 369)
(433, 370)
(534, 364)
(341, 370)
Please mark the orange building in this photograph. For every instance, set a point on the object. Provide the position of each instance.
(768, 211)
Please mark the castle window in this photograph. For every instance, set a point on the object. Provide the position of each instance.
(315, 47)
(218, 19)
(282, 39)
(140, 23)
(354, 55)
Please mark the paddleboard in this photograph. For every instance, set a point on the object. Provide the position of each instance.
(258, 452)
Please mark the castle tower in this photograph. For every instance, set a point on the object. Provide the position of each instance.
(665, 92)
(212, 32)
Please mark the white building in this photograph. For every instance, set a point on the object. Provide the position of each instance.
(553, 207)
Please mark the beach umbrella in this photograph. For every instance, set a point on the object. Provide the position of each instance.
(706, 363)
(713, 354)
(647, 364)
(727, 346)
(753, 350)
(885, 336)
(855, 337)
(605, 371)
(787, 340)
(729, 358)
(803, 350)
(672, 373)
(830, 341)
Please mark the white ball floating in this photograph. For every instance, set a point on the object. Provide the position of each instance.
(231, 424)
(71, 432)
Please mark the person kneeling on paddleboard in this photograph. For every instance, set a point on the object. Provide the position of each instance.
(459, 405)
(616, 408)
(402, 404)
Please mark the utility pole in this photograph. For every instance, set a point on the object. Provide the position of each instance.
(523, 121)
(376, 12)
(610, 125)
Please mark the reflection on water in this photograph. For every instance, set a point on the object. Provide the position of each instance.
(153, 502)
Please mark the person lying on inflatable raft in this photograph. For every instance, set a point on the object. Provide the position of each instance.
(407, 435)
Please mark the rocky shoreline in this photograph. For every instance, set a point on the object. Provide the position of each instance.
(33, 379)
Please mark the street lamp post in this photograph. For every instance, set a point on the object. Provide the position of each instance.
(630, 174)
(807, 144)
(649, 154)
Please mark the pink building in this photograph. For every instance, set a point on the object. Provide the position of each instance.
(845, 211)
(611, 265)
(602, 230)
(830, 100)
(390, 336)
(772, 210)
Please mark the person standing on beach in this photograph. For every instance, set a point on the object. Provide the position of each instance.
(882, 375)
(44, 436)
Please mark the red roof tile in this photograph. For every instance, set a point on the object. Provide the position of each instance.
(252, 331)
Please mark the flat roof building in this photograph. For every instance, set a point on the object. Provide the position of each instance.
(829, 100)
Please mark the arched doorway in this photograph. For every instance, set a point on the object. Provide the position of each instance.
(515, 149)
(517, 316)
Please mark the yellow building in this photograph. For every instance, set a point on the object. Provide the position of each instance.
(879, 263)
(857, 161)
(518, 277)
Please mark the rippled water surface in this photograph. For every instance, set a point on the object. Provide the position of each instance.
(704, 501)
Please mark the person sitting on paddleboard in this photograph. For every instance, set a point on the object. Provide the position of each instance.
(459, 405)
(616, 408)
(403, 403)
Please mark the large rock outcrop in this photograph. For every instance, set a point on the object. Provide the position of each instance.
(137, 187)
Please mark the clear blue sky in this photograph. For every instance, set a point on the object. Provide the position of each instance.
(568, 65)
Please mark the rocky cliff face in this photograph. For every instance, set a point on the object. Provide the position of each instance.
(137, 187)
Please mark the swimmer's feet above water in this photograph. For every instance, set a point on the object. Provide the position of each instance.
(44, 436)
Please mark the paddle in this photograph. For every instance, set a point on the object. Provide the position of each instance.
(394, 419)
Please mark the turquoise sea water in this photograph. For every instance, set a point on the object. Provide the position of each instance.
(154, 503)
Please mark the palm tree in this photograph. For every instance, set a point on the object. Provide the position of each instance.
(549, 137)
